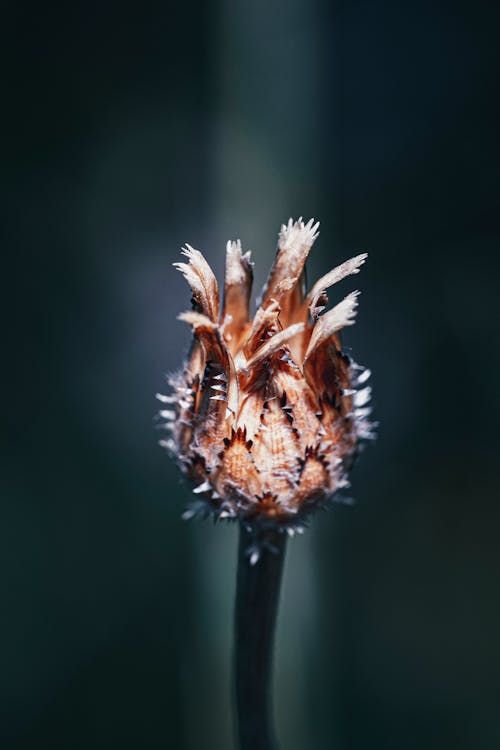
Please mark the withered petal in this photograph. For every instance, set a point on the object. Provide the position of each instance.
(350, 267)
(216, 352)
(274, 344)
(294, 243)
(266, 321)
(334, 320)
(202, 281)
(237, 291)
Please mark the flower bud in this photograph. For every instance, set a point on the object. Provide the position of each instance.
(267, 412)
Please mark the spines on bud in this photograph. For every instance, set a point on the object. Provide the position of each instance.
(216, 353)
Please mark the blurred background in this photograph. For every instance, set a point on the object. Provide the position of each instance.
(129, 129)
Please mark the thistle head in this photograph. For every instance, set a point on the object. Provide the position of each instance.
(266, 414)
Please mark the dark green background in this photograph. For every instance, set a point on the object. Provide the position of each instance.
(129, 129)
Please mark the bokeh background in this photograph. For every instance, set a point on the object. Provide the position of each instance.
(130, 129)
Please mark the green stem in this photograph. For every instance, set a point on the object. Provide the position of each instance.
(257, 596)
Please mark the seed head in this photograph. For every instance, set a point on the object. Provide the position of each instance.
(266, 414)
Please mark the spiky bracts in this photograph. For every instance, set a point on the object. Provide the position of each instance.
(267, 413)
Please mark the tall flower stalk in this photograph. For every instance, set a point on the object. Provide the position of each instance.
(265, 419)
(256, 608)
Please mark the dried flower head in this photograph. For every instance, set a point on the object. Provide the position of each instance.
(266, 414)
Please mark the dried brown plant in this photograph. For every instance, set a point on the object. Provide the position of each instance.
(267, 412)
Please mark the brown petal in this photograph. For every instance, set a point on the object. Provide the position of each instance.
(265, 321)
(237, 290)
(216, 352)
(202, 281)
(294, 244)
(274, 344)
(340, 316)
(348, 268)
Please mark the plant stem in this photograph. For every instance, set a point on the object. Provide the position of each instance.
(257, 596)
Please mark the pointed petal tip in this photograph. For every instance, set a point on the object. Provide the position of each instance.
(202, 281)
(196, 319)
(334, 320)
(298, 233)
(180, 266)
(233, 246)
(234, 252)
